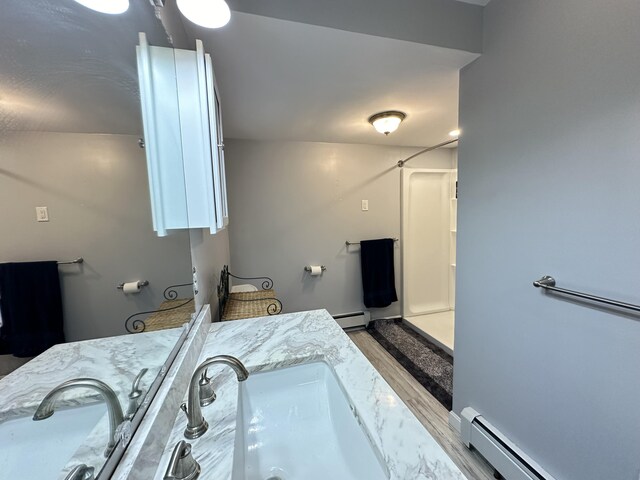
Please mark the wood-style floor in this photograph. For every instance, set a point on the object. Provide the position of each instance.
(424, 406)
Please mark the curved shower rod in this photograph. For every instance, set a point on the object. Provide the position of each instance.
(428, 149)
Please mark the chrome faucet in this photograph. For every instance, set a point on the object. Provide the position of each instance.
(196, 424)
(45, 409)
(81, 472)
(182, 465)
(135, 394)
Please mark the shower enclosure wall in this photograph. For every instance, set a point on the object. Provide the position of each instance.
(428, 251)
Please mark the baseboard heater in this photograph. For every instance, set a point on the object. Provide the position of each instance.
(353, 320)
(511, 462)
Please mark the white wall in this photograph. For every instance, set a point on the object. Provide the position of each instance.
(549, 184)
(209, 254)
(96, 190)
(296, 203)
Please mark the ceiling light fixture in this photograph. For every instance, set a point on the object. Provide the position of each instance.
(387, 122)
(106, 6)
(454, 133)
(206, 13)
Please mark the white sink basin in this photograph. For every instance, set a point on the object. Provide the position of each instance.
(296, 423)
(40, 450)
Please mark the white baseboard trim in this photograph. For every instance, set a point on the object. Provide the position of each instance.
(454, 421)
(503, 455)
(353, 320)
(392, 317)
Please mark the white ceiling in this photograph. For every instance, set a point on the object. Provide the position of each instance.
(284, 80)
(66, 68)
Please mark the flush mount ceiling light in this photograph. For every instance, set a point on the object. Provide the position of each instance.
(454, 133)
(106, 6)
(387, 122)
(206, 13)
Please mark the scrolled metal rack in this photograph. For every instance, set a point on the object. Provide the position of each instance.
(137, 325)
(267, 284)
(272, 309)
(170, 293)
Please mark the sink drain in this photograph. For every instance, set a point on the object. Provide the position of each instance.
(276, 473)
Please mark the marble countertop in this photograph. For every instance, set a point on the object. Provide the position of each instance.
(114, 360)
(267, 343)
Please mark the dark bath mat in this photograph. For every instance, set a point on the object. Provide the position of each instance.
(426, 362)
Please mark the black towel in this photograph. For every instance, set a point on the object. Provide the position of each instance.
(378, 278)
(31, 308)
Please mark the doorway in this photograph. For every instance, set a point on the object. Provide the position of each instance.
(429, 207)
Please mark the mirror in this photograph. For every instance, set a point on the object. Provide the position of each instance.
(73, 184)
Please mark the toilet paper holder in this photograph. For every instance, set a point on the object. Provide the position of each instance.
(142, 283)
(308, 268)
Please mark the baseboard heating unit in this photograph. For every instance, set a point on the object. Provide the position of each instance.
(353, 320)
(511, 462)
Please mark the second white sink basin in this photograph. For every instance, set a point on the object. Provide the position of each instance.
(40, 450)
(296, 423)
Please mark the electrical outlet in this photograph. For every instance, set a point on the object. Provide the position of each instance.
(42, 214)
(365, 205)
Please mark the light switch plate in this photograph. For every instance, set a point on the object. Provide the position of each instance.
(365, 205)
(42, 214)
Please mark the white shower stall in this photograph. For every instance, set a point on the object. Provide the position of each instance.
(429, 252)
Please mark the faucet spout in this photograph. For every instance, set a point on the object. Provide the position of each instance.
(196, 424)
(46, 407)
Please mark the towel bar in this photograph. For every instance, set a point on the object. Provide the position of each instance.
(77, 260)
(347, 243)
(549, 283)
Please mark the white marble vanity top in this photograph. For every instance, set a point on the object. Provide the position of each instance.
(407, 449)
(114, 360)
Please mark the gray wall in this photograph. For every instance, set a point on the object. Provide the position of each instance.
(549, 184)
(295, 203)
(444, 23)
(96, 189)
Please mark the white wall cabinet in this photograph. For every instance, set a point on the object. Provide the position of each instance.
(183, 138)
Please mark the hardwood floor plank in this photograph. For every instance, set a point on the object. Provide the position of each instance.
(431, 413)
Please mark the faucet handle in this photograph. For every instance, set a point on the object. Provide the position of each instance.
(207, 394)
(135, 387)
(182, 465)
(135, 394)
(81, 472)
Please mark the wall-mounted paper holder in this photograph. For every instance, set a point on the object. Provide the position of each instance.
(142, 283)
(308, 268)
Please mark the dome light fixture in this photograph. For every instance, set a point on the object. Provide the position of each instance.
(387, 122)
(454, 133)
(206, 13)
(106, 6)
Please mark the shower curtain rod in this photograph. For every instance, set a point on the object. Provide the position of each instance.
(428, 149)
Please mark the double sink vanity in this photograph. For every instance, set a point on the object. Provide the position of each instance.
(286, 397)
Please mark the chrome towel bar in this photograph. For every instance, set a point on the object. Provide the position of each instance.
(549, 283)
(347, 243)
(77, 260)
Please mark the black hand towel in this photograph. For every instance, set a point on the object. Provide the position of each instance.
(378, 278)
(31, 308)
